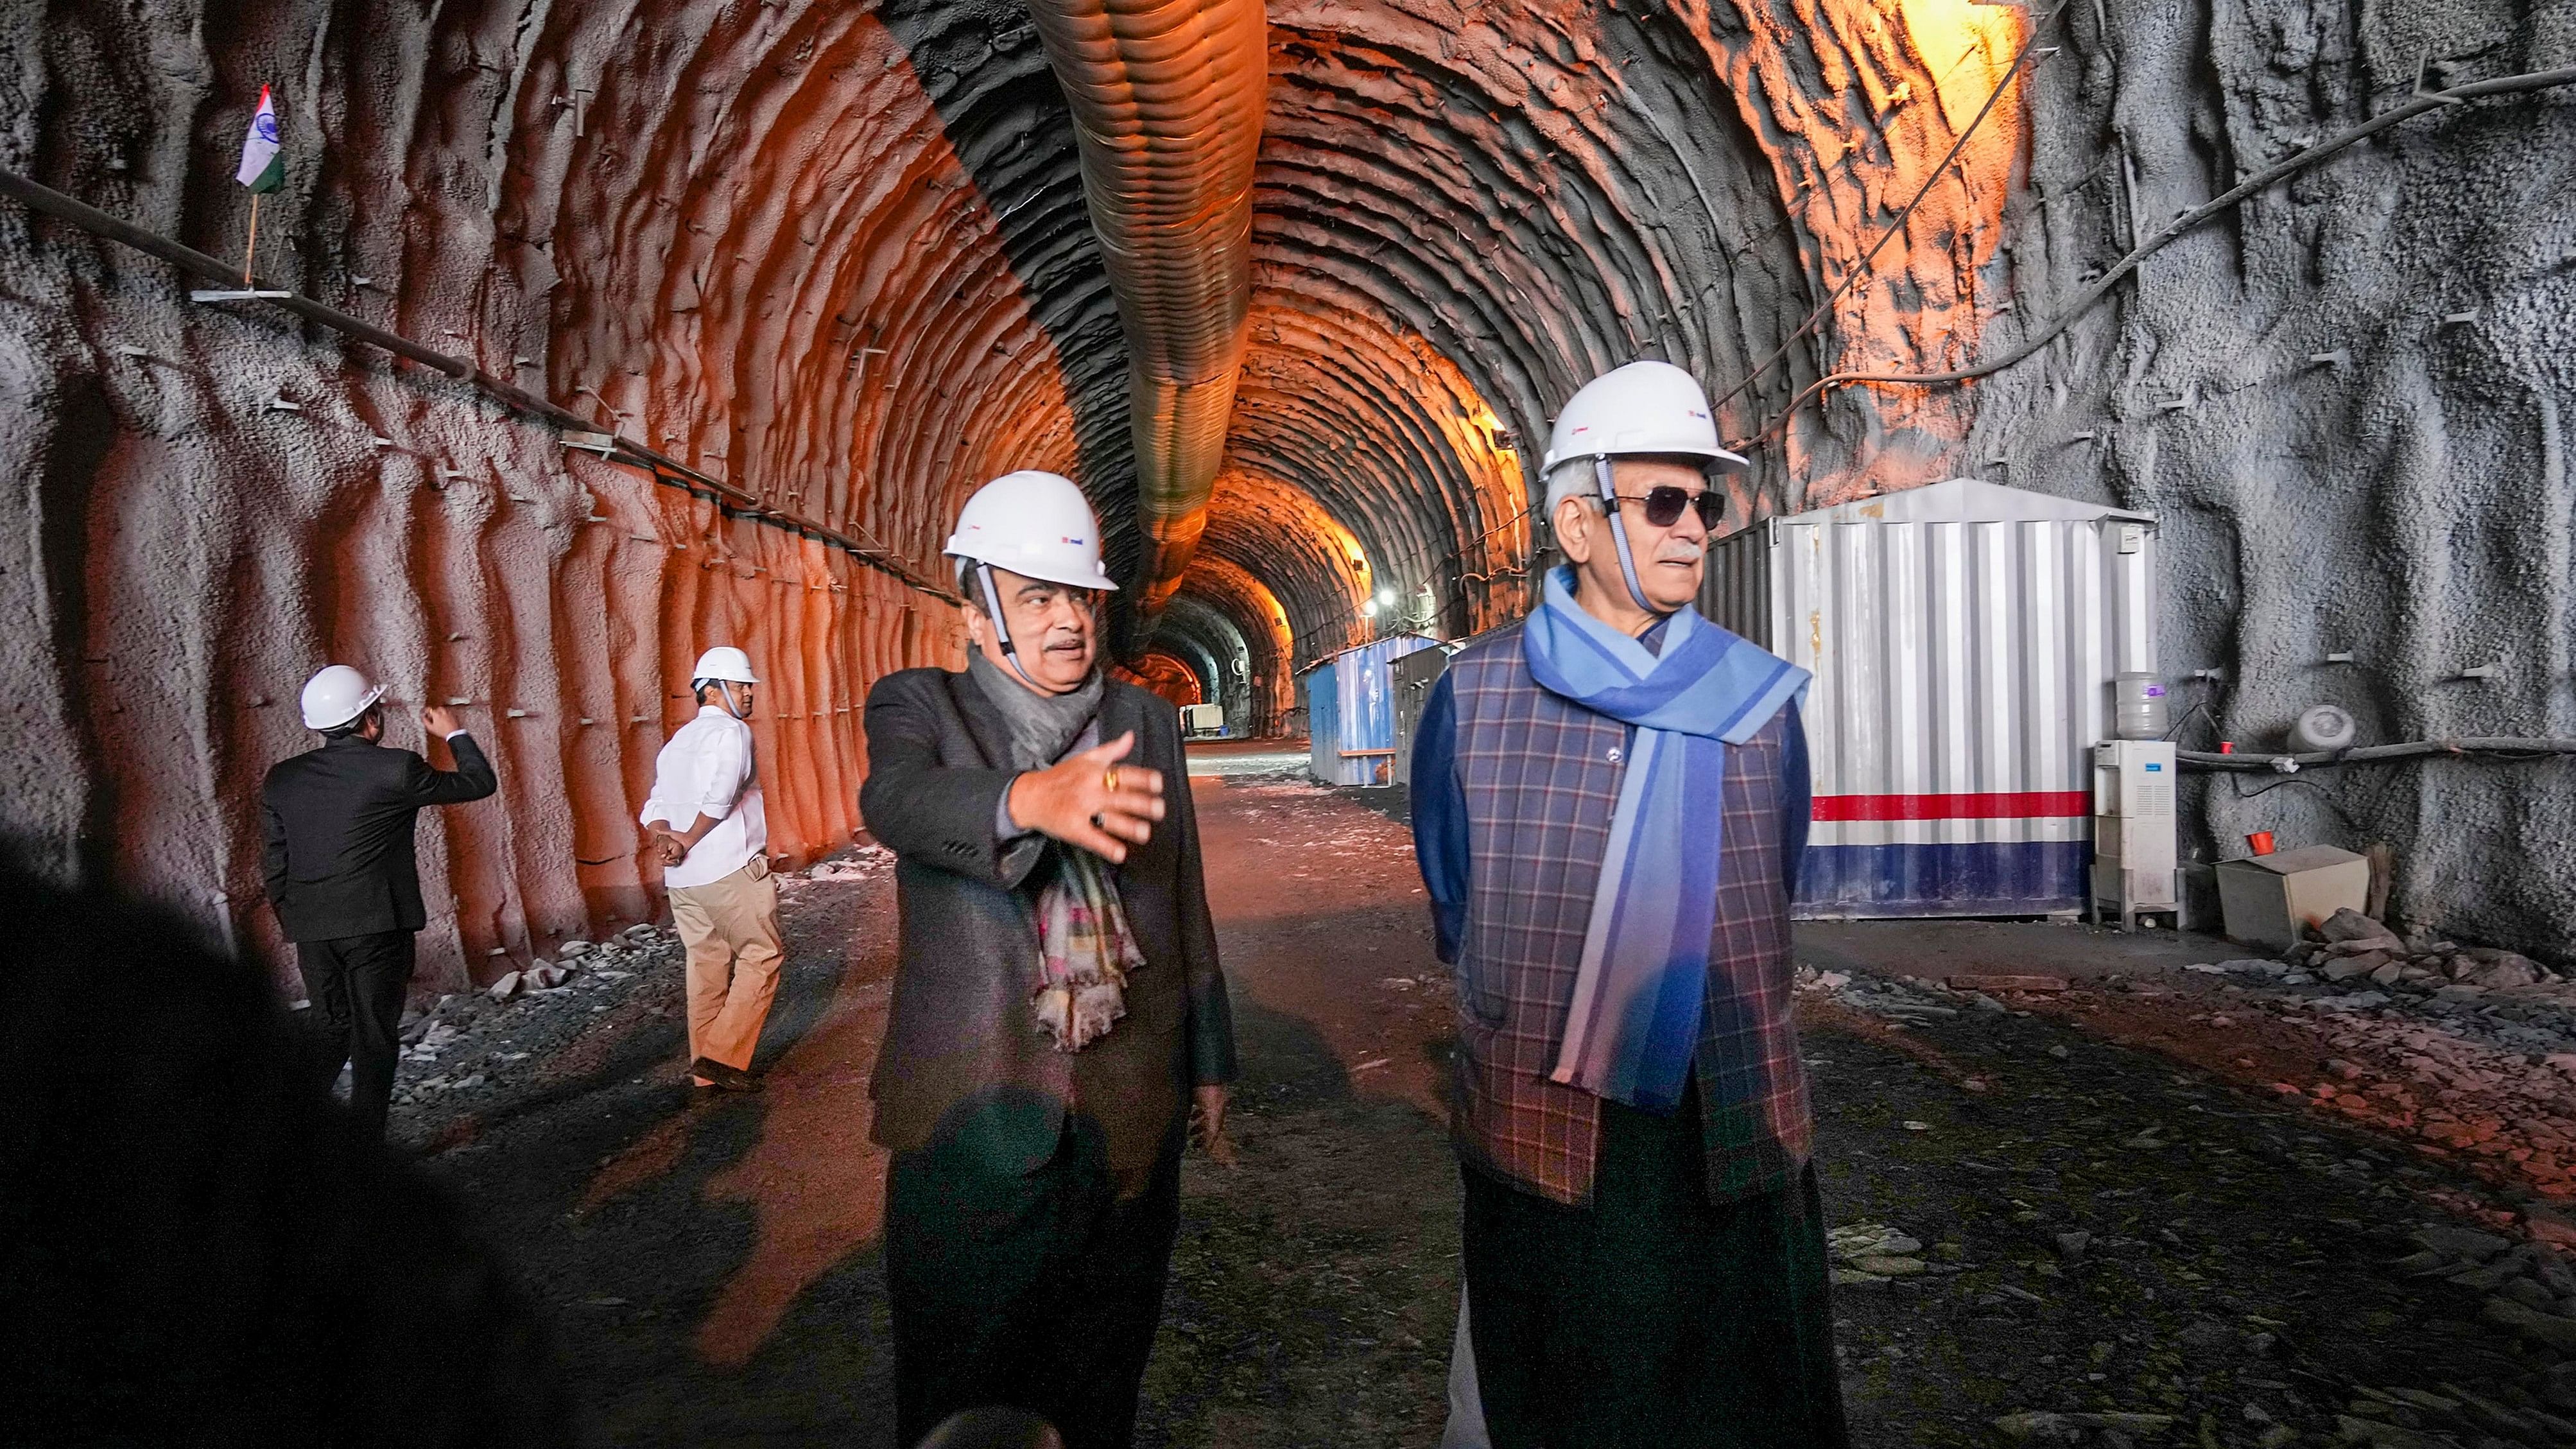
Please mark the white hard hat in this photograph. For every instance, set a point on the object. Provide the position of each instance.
(1037, 525)
(1643, 408)
(725, 662)
(337, 694)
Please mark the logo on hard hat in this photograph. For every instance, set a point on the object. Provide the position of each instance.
(1075, 542)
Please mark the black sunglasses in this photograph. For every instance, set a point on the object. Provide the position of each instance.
(1664, 506)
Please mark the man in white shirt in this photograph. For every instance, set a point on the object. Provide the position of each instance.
(706, 825)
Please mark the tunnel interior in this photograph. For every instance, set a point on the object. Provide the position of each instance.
(840, 260)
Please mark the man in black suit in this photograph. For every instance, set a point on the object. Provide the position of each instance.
(1059, 1014)
(342, 875)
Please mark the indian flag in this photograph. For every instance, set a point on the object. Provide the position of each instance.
(262, 169)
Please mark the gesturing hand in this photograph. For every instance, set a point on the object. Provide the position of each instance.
(440, 721)
(1092, 801)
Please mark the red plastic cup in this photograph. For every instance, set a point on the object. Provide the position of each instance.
(2260, 842)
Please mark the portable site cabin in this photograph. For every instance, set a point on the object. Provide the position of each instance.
(1350, 712)
(1964, 637)
(1412, 676)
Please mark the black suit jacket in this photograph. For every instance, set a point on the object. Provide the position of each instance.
(339, 826)
(965, 1065)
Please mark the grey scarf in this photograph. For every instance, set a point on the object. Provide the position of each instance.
(1043, 726)
(1084, 947)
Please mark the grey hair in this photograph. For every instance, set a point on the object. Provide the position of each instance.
(1573, 478)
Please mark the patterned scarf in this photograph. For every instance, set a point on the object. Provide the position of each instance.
(1635, 1018)
(1084, 947)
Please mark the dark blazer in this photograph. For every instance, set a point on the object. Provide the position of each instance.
(339, 824)
(965, 1065)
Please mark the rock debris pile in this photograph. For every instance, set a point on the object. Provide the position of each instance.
(2471, 1049)
(482, 1040)
(866, 862)
(1868, 1254)
(2356, 953)
(2530, 1288)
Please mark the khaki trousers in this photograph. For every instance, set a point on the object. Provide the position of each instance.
(730, 927)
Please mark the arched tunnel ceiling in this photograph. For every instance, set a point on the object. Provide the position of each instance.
(872, 282)
(840, 255)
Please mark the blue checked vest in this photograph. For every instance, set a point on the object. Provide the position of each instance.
(1541, 777)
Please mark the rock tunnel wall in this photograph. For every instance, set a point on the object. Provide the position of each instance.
(839, 256)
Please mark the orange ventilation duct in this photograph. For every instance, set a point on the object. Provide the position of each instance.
(1167, 99)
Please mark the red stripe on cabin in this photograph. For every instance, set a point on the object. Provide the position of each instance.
(2003, 805)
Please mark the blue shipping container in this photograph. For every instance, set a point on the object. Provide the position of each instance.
(1323, 729)
(1350, 710)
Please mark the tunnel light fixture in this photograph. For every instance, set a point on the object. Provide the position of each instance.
(1386, 598)
(1369, 609)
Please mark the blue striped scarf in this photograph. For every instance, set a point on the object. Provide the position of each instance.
(1635, 1017)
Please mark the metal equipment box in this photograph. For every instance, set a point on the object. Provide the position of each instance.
(2266, 900)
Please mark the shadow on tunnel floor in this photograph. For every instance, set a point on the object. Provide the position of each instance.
(1310, 1299)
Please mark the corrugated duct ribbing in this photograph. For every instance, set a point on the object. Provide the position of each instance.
(1167, 102)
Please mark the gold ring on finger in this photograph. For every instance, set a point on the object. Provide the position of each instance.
(1109, 779)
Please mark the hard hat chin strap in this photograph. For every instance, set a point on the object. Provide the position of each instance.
(1001, 631)
(1619, 533)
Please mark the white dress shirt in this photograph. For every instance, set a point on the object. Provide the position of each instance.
(706, 769)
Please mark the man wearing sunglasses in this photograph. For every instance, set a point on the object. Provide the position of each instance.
(1610, 801)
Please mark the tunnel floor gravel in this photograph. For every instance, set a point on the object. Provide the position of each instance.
(2108, 1243)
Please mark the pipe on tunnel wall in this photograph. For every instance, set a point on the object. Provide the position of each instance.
(1167, 99)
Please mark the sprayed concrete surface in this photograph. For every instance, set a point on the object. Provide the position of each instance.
(2041, 1209)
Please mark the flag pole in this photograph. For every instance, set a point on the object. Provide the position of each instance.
(251, 250)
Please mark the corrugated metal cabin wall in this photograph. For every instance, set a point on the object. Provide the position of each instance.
(1949, 657)
(1736, 592)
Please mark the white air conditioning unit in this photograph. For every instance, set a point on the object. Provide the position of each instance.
(2135, 864)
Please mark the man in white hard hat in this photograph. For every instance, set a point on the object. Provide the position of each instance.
(1610, 800)
(706, 825)
(1059, 1015)
(343, 877)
